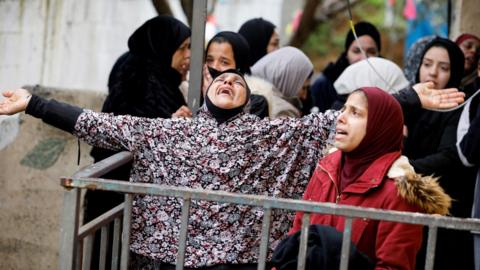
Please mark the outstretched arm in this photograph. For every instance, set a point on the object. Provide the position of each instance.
(97, 129)
(423, 95)
(52, 112)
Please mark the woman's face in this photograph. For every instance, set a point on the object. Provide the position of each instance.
(181, 57)
(469, 47)
(354, 54)
(352, 122)
(303, 92)
(273, 43)
(220, 56)
(435, 67)
(228, 91)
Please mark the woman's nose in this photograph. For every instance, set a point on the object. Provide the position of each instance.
(341, 117)
(229, 80)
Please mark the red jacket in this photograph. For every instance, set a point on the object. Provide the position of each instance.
(391, 245)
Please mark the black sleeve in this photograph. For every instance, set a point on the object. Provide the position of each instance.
(258, 106)
(408, 99)
(52, 112)
(445, 156)
(470, 144)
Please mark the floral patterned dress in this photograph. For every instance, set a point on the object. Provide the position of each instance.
(243, 155)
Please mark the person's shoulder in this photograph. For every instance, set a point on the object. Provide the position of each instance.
(259, 86)
(422, 192)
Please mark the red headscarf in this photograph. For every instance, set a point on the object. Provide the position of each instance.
(384, 134)
(460, 39)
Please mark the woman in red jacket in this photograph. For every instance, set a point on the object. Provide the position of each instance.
(367, 170)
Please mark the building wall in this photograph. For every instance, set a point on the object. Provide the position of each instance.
(30, 193)
(465, 17)
(65, 43)
(72, 45)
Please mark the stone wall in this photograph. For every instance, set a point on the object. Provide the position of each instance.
(32, 163)
(65, 43)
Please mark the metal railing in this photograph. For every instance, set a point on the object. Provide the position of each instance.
(74, 237)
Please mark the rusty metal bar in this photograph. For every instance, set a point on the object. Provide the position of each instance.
(431, 244)
(100, 221)
(127, 219)
(69, 229)
(302, 249)
(87, 252)
(182, 238)
(116, 243)
(78, 258)
(106, 165)
(198, 47)
(347, 235)
(262, 258)
(103, 246)
(278, 203)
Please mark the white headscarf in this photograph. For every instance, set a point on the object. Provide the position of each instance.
(286, 68)
(387, 76)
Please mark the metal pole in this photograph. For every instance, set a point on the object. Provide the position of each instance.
(182, 238)
(197, 45)
(127, 219)
(347, 233)
(69, 228)
(262, 258)
(302, 250)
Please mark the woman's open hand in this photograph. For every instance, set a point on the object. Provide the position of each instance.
(15, 101)
(207, 79)
(183, 111)
(438, 98)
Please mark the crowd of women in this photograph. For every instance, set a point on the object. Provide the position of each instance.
(365, 134)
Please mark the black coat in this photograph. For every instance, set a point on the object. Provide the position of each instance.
(324, 248)
(142, 83)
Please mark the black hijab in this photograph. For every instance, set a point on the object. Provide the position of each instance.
(257, 32)
(240, 48)
(456, 56)
(142, 81)
(220, 114)
(158, 39)
(333, 70)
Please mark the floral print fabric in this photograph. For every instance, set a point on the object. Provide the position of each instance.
(243, 155)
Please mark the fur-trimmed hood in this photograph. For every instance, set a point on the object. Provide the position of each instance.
(423, 191)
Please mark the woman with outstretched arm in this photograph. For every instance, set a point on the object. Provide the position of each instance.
(222, 148)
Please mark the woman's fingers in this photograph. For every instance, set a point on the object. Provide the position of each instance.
(7, 93)
(183, 111)
(14, 102)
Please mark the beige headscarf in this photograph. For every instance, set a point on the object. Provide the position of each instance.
(286, 68)
(385, 75)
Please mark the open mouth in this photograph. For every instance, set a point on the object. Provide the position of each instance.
(225, 91)
(341, 132)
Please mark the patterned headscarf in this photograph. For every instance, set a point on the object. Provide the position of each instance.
(414, 58)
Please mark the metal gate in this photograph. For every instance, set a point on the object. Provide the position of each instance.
(76, 240)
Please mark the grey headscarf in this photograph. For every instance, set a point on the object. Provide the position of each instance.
(414, 58)
(286, 68)
(386, 76)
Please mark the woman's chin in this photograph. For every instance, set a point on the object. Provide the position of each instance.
(223, 103)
